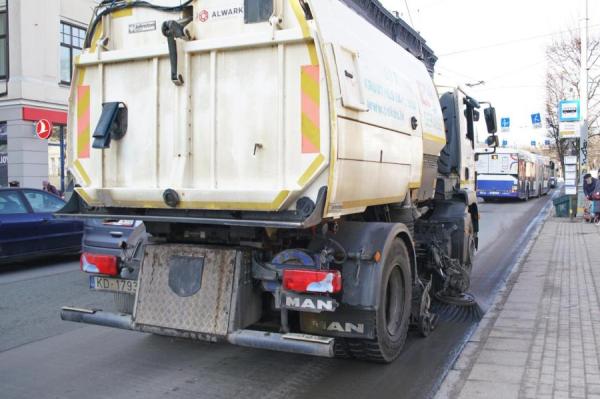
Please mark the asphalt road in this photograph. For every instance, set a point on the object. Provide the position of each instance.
(42, 356)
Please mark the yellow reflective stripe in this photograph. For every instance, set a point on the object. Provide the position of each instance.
(295, 4)
(126, 12)
(238, 206)
(311, 132)
(435, 138)
(369, 202)
(84, 195)
(96, 37)
(299, 13)
(245, 206)
(80, 75)
(312, 53)
(318, 161)
(83, 121)
(82, 173)
(310, 87)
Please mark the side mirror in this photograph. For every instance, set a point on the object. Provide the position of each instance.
(492, 141)
(490, 119)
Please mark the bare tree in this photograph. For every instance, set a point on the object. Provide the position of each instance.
(562, 82)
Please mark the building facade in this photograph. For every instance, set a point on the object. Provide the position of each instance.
(38, 42)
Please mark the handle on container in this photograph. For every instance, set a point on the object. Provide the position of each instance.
(172, 30)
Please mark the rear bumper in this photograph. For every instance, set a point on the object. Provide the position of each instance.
(293, 343)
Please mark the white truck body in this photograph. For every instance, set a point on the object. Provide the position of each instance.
(266, 114)
(303, 186)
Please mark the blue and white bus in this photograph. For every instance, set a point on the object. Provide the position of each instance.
(510, 173)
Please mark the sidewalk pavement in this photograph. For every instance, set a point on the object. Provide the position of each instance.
(541, 337)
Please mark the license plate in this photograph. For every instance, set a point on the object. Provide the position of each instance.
(113, 284)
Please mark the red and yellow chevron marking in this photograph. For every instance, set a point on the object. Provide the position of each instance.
(311, 108)
(83, 121)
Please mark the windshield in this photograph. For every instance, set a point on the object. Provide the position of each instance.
(499, 164)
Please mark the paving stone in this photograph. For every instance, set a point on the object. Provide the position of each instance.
(496, 373)
(489, 390)
(593, 388)
(545, 389)
(504, 358)
(507, 344)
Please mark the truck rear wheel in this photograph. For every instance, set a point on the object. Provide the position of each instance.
(393, 313)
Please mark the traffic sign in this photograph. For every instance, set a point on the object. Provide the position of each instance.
(569, 111)
(533, 143)
(43, 129)
(504, 143)
(536, 120)
(505, 124)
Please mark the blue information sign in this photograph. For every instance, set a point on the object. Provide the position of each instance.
(536, 120)
(505, 123)
(569, 111)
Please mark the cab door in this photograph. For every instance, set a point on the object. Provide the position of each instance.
(54, 233)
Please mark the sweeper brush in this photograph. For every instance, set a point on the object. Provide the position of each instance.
(462, 309)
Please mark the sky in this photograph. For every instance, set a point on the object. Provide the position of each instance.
(501, 42)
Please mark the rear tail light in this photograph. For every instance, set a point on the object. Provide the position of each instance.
(322, 281)
(99, 264)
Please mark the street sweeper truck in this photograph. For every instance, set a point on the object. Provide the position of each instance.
(304, 186)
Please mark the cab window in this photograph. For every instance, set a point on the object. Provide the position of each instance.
(257, 10)
(11, 203)
(42, 202)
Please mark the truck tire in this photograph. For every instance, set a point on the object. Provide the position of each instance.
(393, 315)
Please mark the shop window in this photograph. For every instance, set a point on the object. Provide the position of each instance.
(71, 45)
(3, 40)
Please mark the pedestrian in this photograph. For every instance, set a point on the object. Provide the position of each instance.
(48, 187)
(591, 190)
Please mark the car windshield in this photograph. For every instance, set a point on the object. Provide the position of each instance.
(43, 202)
(11, 203)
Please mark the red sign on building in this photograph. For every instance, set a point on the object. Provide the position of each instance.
(43, 128)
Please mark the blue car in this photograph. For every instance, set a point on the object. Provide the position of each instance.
(28, 227)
